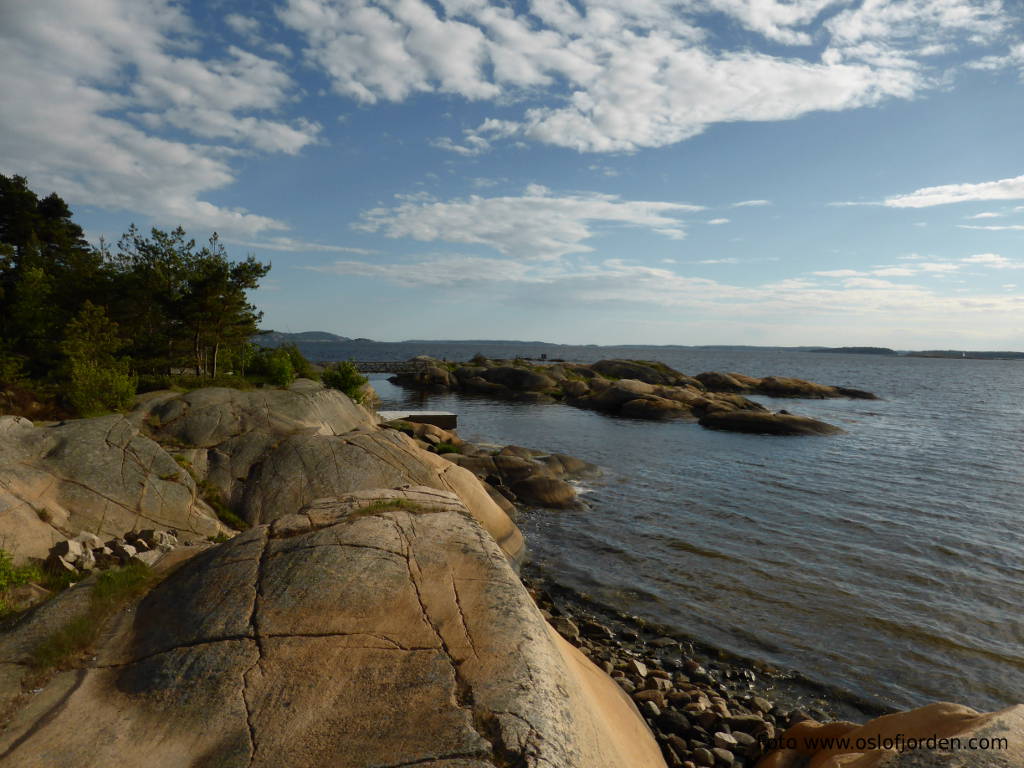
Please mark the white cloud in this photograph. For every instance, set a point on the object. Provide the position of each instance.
(718, 221)
(92, 110)
(535, 225)
(986, 215)
(600, 76)
(839, 273)
(994, 227)
(1014, 57)
(445, 270)
(854, 308)
(992, 261)
(925, 23)
(751, 203)
(293, 245)
(719, 261)
(242, 25)
(893, 272)
(936, 266)
(1003, 189)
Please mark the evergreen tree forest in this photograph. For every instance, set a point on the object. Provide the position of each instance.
(82, 328)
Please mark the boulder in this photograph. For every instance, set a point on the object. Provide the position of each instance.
(722, 382)
(306, 466)
(207, 418)
(765, 423)
(98, 475)
(641, 370)
(655, 408)
(941, 734)
(518, 379)
(343, 637)
(547, 492)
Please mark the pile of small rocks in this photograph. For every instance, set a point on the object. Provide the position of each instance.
(87, 552)
(702, 716)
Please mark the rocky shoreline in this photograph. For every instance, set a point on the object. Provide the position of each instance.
(372, 613)
(638, 389)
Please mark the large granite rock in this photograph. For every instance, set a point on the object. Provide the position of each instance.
(940, 735)
(268, 452)
(305, 467)
(382, 629)
(206, 418)
(97, 475)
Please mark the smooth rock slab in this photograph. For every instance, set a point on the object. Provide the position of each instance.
(97, 475)
(347, 636)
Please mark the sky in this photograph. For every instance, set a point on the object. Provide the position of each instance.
(776, 172)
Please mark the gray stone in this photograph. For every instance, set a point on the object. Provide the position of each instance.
(703, 756)
(69, 549)
(725, 740)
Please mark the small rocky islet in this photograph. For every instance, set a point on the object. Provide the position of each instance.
(637, 389)
(371, 614)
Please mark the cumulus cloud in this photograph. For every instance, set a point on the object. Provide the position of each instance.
(95, 112)
(1003, 189)
(992, 261)
(716, 222)
(535, 225)
(611, 76)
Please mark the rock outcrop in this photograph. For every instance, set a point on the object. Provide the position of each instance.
(266, 453)
(777, 386)
(636, 389)
(940, 735)
(765, 423)
(378, 629)
(99, 475)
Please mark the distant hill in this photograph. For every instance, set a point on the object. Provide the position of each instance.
(858, 350)
(277, 338)
(960, 354)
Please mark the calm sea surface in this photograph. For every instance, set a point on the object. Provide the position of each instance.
(887, 562)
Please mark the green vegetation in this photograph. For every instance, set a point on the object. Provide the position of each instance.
(82, 327)
(445, 447)
(345, 376)
(386, 505)
(112, 591)
(212, 496)
(11, 576)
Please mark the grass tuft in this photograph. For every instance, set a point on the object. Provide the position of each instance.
(114, 589)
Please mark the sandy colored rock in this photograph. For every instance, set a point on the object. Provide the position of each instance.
(545, 492)
(97, 475)
(305, 467)
(926, 725)
(371, 638)
(207, 417)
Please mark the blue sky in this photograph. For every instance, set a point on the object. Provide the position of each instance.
(580, 171)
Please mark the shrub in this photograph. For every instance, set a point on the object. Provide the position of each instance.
(96, 380)
(444, 447)
(346, 377)
(93, 389)
(302, 367)
(274, 366)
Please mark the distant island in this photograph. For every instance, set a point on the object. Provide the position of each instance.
(314, 344)
(859, 350)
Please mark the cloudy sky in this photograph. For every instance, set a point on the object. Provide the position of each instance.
(580, 171)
